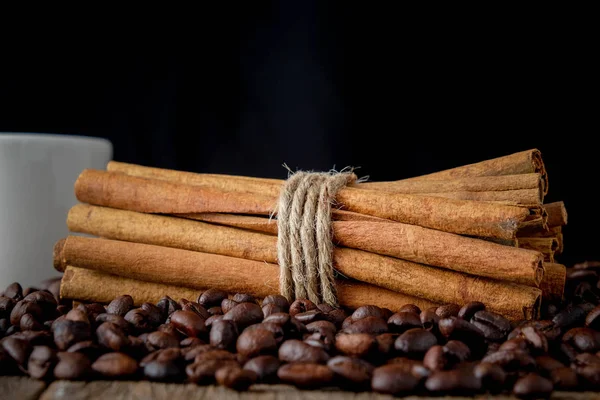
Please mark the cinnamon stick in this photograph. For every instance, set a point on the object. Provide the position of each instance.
(557, 213)
(200, 270)
(408, 242)
(93, 286)
(122, 191)
(553, 284)
(545, 245)
(524, 162)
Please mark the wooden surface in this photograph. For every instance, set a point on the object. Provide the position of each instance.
(22, 388)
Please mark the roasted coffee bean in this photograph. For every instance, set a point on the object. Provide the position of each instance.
(592, 320)
(212, 297)
(216, 310)
(454, 328)
(111, 337)
(155, 314)
(309, 316)
(325, 308)
(67, 333)
(547, 328)
(564, 378)
(243, 298)
(163, 371)
(436, 358)
(511, 360)
(282, 319)
(410, 308)
(78, 315)
(347, 322)
(429, 320)
(62, 310)
(293, 351)
(88, 348)
(467, 311)
(494, 326)
(585, 340)
(385, 343)
(587, 366)
(29, 290)
(572, 315)
(393, 379)
(320, 341)
(456, 351)
(196, 308)
(28, 323)
(265, 367)
(139, 320)
(567, 353)
(410, 366)
(204, 371)
(24, 307)
(212, 319)
(276, 329)
(367, 311)
(371, 325)
(72, 366)
(215, 354)
(300, 306)
(35, 338)
(190, 353)
(492, 376)
(41, 362)
(4, 325)
(120, 305)
(44, 299)
(453, 381)
(170, 355)
(227, 305)
(547, 363)
(223, 335)
(447, 310)
(115, 365)
(269, 309)
(305, 375)
(533, 385)
(352, 371)
(161, 340)
(6, 306)
(17, 349)
(245, 314)
(387, 313)
(403, 321)
(92, 310)
(115, 319)
(167, 306)
(356, 344)
(188, 323)
(321, 326)
(279, 301)
(336, 317)
(190, 342)
(415, 342)
(169, 329)
(14, 291)
(12, 330)
(235, 378)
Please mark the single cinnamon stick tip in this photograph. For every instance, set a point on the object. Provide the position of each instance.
(57, 255)
(540, 168)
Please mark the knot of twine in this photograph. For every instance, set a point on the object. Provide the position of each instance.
(304, 242)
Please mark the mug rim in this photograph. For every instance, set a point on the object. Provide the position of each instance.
(28, 136)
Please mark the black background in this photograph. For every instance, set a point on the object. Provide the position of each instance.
(317, 86)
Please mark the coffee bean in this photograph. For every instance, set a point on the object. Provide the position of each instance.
(12, 330)
(227, 305)
(456, 351)
(235, 377)
(385, 343)
(77, 315)
(585, 340)
(367, 311)
(139, 320)
(62, 310)
(467, 311)
(410, 308)
(336, 317)
(24, 307)
(567, 353)
(429, 320)
(282, 319)
(14, 291)
(300, 306)
(170, 330)
(454, 381)
(44, 299)
(447, 310)
(564, 378)
(115, 365)
(587, 366)
(212, 319)
(92, 310)
(212, 297)
(352, 371)
(279, 301)
(67, 333)
(494, 326)
(454, 328)
(169, 355)
(190, 353)
(492, 376)
(243, 298)
(265, 367)
(111, 336)
(223, 335)
(276, 329)
(309, 316)
(167, 306)
(435, 358)
(203, 372)
(190, 342)
(547, 363)
(305, 375)
(162, 371)
(115, 319)
(161, 340)
(321, 326)
(325, 308)
(572, 315)
(41, 362)
(35, 338)
(155, 314)
(511, 360)
(245, 314)
(17, 349)
(592, 320)
(28, 323)
(212, 354)
(533, 385)
(72, 366)
(356, 344)
(120, 305)
(403, 321)
(6, 306)
(196, 308)
(322, 341)
(371, 325)
(415, 342)
(216, 310)
(294, 351)
(88, 348)
(393, 379)
(410, 366)
(188, 323)
(269, 309)
(4, 325)
(547, 328)
(347, 322)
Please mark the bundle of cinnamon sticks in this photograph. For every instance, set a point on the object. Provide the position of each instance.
(479, 232)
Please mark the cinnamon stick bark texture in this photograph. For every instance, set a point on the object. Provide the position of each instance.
(201, 270)
(93, 286)
(258, 224)
(553, 284)
(524, 162)
(474, 218)
(557, 213)
(408, 242)
(545, 245)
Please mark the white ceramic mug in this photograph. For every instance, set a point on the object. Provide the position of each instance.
(37, 173)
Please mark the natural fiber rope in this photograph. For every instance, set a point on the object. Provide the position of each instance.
(304, 243)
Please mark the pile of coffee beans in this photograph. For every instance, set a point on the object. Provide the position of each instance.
(238, 341)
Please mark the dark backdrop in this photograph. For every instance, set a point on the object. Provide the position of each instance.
(316, 86)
